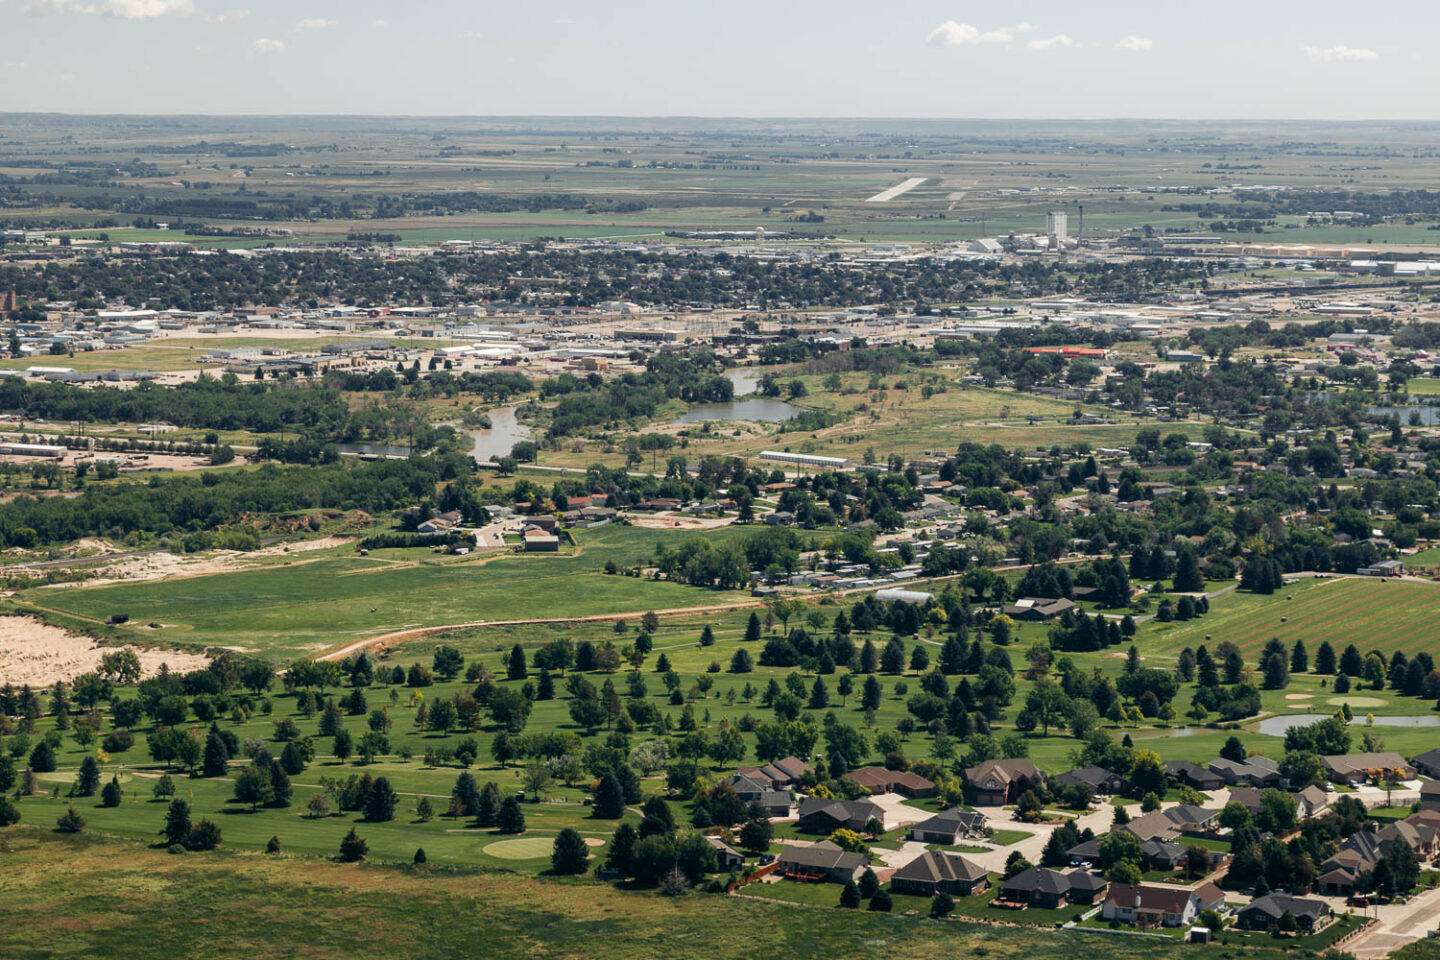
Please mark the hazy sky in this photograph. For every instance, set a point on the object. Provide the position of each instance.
(916, 58)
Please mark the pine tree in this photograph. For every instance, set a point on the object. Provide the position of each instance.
(850, 895)
(570, 854)
(1325, 659)
(512, 818)
(488, 811)
(353, 847)
(380, 805)
(707, 636)
(752, 628)
(177, 822)
(112, 794)
(609, 799)
(87, 781)
(515, 668)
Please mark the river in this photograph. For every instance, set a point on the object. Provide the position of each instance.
(505, 431)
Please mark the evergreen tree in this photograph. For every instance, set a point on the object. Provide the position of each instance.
(707, 636)
(570, 854)
(488, 812)
(819, 695)
(609, 799)
(512, 818)
(515, 668)
(621, 851)
(850, 895)
(380, 805)
(272, 846)
(1325, 659)
(292, 760)
(869, 884)
(177, 823)
(217, 755)
(87, 781)
(353, 847)
(112, 794)
(1299, 658)
(881, 902)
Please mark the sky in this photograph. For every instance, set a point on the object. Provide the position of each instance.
(1294, 59)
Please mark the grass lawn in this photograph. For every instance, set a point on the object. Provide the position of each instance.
(1317, 941)
(1395, 616)
(82, 896)
(1004, 838)
(306, 607)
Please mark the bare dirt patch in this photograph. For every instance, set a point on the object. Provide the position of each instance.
(160, 565)
(39, 654)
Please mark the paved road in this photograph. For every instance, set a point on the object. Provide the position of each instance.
(1399, 924)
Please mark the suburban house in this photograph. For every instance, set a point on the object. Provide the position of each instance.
(938, 871)
(1265, 912)
(1189, 818)
(1193, 775)
(1038, 609)
(1036, 887)
(783, 774)
(879, 780)
(1253, 771)
(1086, 888)
(1147, 905)
(1095, 779)
(1429, 763)
(727, 857)
(949, 827)
(998, 782)
(1151, 826)
(822, 861)
(1430, 795)
(1247, 797)
(1356, 767)
(1364, 848)
(823, 815)
(1313, 801)
(538, 541)
(752, 790)
(1161, 855)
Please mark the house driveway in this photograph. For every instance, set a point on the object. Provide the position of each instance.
(897, 811)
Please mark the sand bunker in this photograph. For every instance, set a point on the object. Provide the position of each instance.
(38, 654)
(1299, 696)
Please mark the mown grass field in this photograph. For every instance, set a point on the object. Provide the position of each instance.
(309, 606)
(83, 898)
(1366, 612)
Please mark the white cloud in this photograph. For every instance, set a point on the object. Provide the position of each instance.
(380, 24)
(1134, 44)
(469, 35)
(952, 34)
(1050, 43)
(122, 9)
(229, 16)
(1340, 54)
(266, 45)
(315, 23)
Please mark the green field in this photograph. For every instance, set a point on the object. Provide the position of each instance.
(85, 898)
(310, 606)
(1366, 612)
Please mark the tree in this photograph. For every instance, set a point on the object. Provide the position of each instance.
(609, 799)
(1187, 573)
(217, 755)
(42, 758)
(70, 821)
(850, 895)
(570, 854)
(87, 780)
(869, 884)
(112, 794)
(881, 902)
(1233, 750)
(253, 785)
(515, 668)
(621, 849)
(176, 828)
(380, 804)
(353, 847)
(752, 628)
(9, 813)
(204, 836)
(941, 906)
(1299, 658)
(1325, 659)
(512, 818)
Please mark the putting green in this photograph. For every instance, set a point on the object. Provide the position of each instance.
(523, 848)
(1357, 701)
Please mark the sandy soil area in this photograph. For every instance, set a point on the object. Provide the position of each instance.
(672, 522)
(38, 654)
(159, 566)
